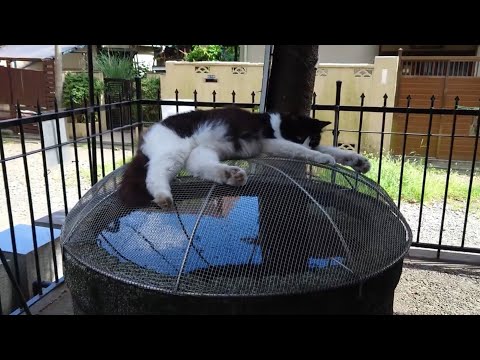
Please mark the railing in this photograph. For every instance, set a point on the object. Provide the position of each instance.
(458, 66)
(57, 188)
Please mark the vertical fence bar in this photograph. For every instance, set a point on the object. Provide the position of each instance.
(89, 147)
(314, 101)
(122, 135)
(400, 72)
(214, 94)
(30, 204)
(470, 184)
(450, 156)
(404, 147)
(429, 135)
(233, 97)
(382, 138)
(75, 149)
(360, 124)
(9, 209)
(110, 124)
(47, 194)
(312, 108)
(337, 113)
(60, 157)
(102, 157)
(138, 95)
(195, 98)
(159, 105)
(92, 112)
(176, 100)
(18, 291)
(130, 123)
(253, 100)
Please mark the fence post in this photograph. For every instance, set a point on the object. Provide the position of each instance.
(337, 113)
(91, 112)
(11, 106)
(138, 91)
(399, 76)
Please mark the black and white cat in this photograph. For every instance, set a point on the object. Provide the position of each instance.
(201, 139)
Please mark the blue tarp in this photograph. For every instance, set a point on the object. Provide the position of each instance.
(218, 241)
(24, 238)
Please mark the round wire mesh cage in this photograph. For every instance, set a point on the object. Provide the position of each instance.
(295, 228)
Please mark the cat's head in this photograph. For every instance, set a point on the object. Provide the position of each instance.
(302, 129)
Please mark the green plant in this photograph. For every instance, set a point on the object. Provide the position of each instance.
(204, 53)
(150, 87)
(116, 67)
(76, 90)
(413, 179)
(141, 70)
(228, 53)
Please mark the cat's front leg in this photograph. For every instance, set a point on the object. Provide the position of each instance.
(204, 162)
(347, 157)
(233, 175)
(291, 150)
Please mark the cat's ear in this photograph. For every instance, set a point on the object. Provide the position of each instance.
(321, 124)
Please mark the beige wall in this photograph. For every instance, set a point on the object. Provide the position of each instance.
(384, 82)
(243, 78)
(373, 79)
(356, 79)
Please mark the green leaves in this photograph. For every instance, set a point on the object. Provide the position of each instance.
(211, 53)
(75, 88)
(115, 67)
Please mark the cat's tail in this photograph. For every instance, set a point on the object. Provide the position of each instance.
(133, 189)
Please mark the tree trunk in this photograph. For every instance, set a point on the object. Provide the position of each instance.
(292, 78)
(290, 89)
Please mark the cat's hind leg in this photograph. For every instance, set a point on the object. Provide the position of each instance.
(159, 175)
(204, 163)
(167, 154)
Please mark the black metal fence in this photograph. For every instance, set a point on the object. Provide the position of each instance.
(107, 148)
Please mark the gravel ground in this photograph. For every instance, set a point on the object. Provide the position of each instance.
(453, 224)
(435, 288)
(18, 188)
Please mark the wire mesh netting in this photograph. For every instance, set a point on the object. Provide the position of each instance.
(295, 227)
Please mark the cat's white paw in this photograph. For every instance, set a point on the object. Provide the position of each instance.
(164, 200)
(324, 159)
(356, 162)
(235, 176)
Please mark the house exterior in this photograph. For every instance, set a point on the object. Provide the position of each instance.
(365, 54)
